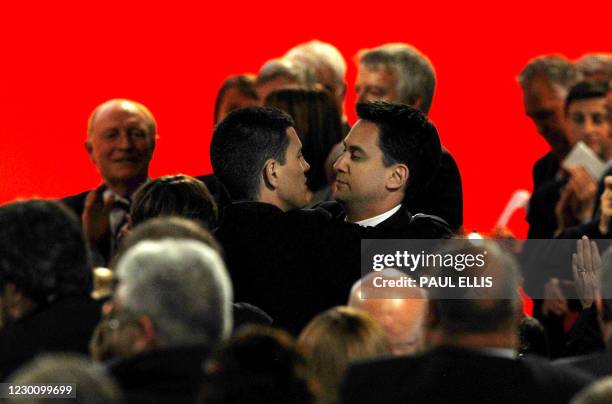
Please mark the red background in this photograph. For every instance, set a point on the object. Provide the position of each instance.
(58, 61)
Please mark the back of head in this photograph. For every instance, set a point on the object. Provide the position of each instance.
(243, 83)
(258, 365)
(291, 71)
(555, 69)
(595, 66)
(241, 145)
(318, 124)
(42, 251)
(90, 382)
(328, 65)
(407, 137)
(174, 195)
(417, 79)
(474, 310)
(335, 338)
(401, 312)
(182, 286)
(317, 55)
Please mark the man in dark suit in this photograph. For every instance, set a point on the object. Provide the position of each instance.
(172, 307)
(545, 82)
(120, 141)
(278, 255)
(45, 283)
(390, 154)
(472, 337)
(400, 73)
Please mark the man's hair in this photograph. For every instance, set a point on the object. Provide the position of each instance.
(416, 75)
(317, 123)
(174, 195)
(92, 383)
(476, 310)
(241, 145)
(585, 90)
(556, 69)
(406, 137)
(244, 83)
(595, 66)
(292, 71)
(182, 286)
(258, 365)
(317, 54)
(43, 251)
(151, 124)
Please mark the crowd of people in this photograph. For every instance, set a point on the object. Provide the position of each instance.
(247, 285)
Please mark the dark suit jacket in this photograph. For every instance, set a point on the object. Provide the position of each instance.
(546, 191)
(172, 375)
(444, 195)
(296, 264)
(453, 375)
(598, 364)
(62, 326)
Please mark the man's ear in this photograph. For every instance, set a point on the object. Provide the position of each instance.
(270, 174)
(398, 178)
(417, 102)
(89, 149)
(145, 338)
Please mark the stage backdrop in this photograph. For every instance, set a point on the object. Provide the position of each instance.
(58, 61)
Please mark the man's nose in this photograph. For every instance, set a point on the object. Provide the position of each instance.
(306, 166)
(339, 164)
(125, 140)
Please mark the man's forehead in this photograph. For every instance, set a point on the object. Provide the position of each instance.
(363, 133)
(121, 110)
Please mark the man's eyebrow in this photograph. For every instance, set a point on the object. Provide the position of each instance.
(354, 148)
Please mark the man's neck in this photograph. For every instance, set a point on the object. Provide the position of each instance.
(498, 340)
(271, 199)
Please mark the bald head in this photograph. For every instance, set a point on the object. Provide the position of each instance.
(402, 319)
(123, 105)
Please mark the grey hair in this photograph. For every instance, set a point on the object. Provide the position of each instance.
(556, 69)
(182, 285)
(316, 53)
(596, 66)
(416, 74)
(292, 70)
(93, 385)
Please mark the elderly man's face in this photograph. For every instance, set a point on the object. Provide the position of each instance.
(377, 83)
(120, 143)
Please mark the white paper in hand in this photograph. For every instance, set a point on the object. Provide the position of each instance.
(582, 155)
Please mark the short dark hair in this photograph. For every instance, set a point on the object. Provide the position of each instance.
(407, 137)
(259, 365)
(244, 83)
(318, 124)
(174, 195)
(242, 143)
(43, 251)
(585, 90)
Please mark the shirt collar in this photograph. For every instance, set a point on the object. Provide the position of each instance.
(376, 220)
